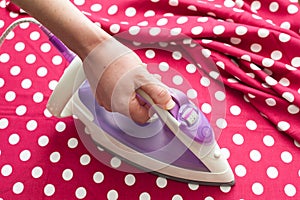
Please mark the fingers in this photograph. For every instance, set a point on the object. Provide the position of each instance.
(159, 95)
(139, 111)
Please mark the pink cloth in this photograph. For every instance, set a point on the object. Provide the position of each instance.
(255, 45)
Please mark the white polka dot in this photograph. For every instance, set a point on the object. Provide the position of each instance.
(154, 31)
(112, 10)
(45, 47)
(4, 58)
(25, 155)
(85, 159)
(177, 197)
(225, 188)
(42, 71)
(18, 188)
(14, 139)
(192, 94)
(130, 12)
(112, 195)
(193, 186)
(2, 82)
(6, 170)
(235, 110)
(10, 96)
(72, 143)
(47, 113)
(284, 82)
(67, 174)
(2, 23)
(163, 66)
(144, 196)
(221, 123)
(240, 170)
(256, 48)
(114, 28)
(79, 2)
(292, 9)
(31, 125)
(80, 193)
(286, 157)
(43, 140)
(285, 25)
(219, 29)
(98, 177)
(235, 40)
(173, 2)
(206, 53)
(60, 126)
(214, 74)
(49, 190)
(57, 60)
(55, 157)
(270, 101)
(283, 37)
(238, 139)
(241, 30)
(149, 13)
(255, 5)
(251, 125)
(220, 96)
(272, 172)
(274, 6)
(209, 198)
(96, 7)
(246, 58)
(150, 54)
(182, 20)
(162, 22)
(177, 80)
(161, 182)
(255, 155)
(3, 123)
(26, 83)
(19, 46)
(267, 62)
(115, 162)
(296, 62)
(225, 152)
(197, 30)
(21, 110)
(191, 68)
(263, 33)
(276, 55)
(192, 7)
(283, 125)
(52, 84)
(290, 190)
(30, 58)
(268, 140)
(204, 81)
(176, 55)
(293, 109)
(257, 188)
(270, 81)
(37, 172)
(38, 97)
(288, 96)
(206, 108)
(175, 31)
(134, 30)
(129, 179)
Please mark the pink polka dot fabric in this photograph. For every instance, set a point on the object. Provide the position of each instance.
(255, 46)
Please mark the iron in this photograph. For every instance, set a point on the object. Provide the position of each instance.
(178, 144)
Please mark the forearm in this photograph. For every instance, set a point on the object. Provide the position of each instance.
(63, 19)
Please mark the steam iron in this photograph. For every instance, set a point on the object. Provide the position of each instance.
(178, 144)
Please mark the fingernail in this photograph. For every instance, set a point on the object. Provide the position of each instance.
(170, 104)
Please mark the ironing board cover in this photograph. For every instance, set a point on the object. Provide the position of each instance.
(254, 44)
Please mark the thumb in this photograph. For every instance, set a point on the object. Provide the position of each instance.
(159, 95)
